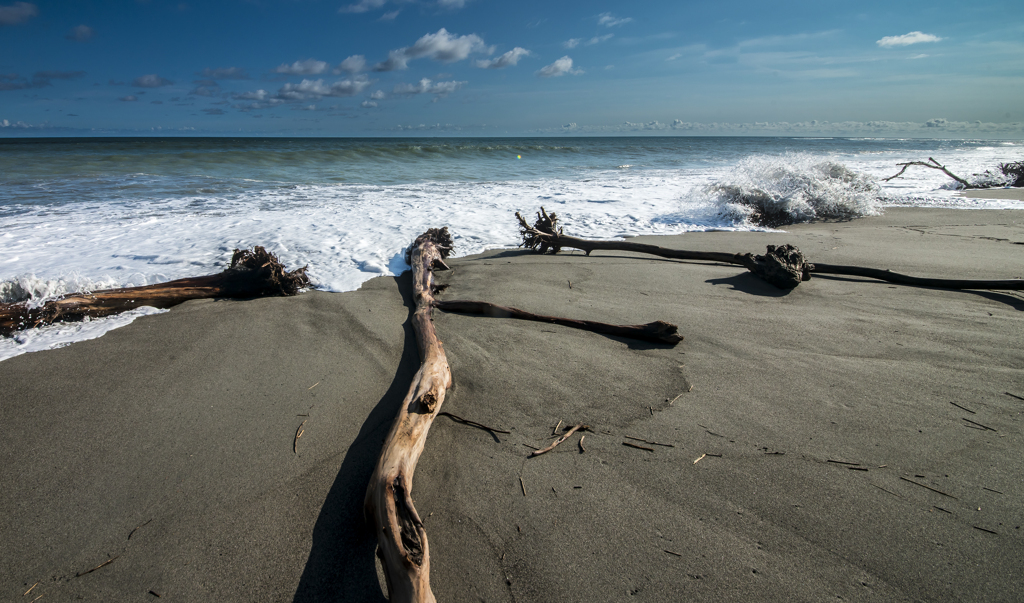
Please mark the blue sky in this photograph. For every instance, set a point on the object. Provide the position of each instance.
(483, 67)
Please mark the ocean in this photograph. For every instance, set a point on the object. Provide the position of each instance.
(84, 214)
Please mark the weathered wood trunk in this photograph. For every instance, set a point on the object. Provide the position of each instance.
(401, 538)
(255, 273)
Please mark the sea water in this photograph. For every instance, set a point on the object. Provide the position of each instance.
(86, 214)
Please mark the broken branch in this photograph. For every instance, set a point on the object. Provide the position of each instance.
(564, 437)
(931, 163)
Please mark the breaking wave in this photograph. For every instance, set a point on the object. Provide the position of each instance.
(773, 191)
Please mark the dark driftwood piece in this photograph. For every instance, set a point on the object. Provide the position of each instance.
(402, 540)
(931, 163)
(783, 266)
(657, 332)
(255, 273)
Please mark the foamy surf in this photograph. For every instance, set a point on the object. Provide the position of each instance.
(348, 209)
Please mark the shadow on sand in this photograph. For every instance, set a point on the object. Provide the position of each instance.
(341, 564)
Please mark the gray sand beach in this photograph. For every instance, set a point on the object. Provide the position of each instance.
(847, 440)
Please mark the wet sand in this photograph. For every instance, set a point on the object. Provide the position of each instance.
(848, 439)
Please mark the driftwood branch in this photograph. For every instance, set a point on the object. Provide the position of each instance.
(783, 266)
(401, 538)
(658, 331)
(780, 266)
(561, 439)
(255, 273)
(931, 163)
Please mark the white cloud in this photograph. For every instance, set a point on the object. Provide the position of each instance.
(317, 88)
(17, 13)
(378, 95)
(452, 4)
(674, 57)
(559, 68)
(441, 46)
(572, 42)
(307, 67)
(390, 15)
(363, 6)
(353, 64)
(368, 104)
(914, 37)
(81, 33)
(130, 98)
(610, 20)
(509, 58)
(426, 86)
(598, 39)
(151, 81)
(256, 95)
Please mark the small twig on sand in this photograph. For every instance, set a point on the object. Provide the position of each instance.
(565, 436)
(985, 530)
(30, 589)
(963, 408)
(928, 488)
(638, 447)
(459, 419)
(136, 528)
(697, 460)
(1013, 395)
(312, 386)
(298, 434)
(105, 563)
(523, 485)
(582, 449)
(650, 442)
(991, 490)
(673, 553)
(554, 431)
(677, 397)
(978, 424)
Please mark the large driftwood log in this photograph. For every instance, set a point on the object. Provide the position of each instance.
(657, 331)
(401, 538)
(255, 273)
(783, 266)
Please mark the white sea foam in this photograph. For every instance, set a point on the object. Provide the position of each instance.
(56, 336)
(348, 233)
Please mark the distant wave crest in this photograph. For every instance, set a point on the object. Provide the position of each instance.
(776, 190)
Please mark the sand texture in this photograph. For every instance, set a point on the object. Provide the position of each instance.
(848, 440)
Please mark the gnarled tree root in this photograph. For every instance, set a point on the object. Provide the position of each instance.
(401, 538)
(255, 273)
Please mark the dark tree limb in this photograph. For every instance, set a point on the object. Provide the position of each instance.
(783, 266)
(255, 273)
(916, 281)
(931, 163)
(401, 538)
(657, 332)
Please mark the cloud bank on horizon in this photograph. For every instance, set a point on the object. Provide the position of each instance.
(478, 67)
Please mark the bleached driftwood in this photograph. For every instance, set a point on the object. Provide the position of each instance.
(402, 540)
